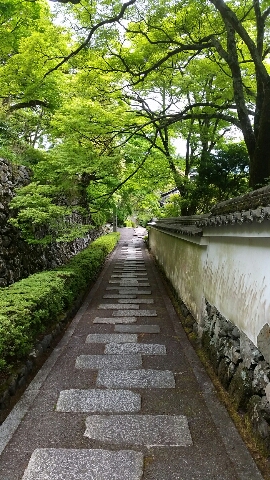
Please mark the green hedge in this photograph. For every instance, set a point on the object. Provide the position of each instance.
(29, 307)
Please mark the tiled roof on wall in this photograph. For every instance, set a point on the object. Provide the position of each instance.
(251, 207)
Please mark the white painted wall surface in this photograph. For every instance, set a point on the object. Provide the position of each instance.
(183, 263)
(229, 267)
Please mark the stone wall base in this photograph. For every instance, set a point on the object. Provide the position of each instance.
(239, 365)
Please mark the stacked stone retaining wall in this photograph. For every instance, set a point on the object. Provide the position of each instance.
(18, 259)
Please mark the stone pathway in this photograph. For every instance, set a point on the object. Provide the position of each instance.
(123, 396)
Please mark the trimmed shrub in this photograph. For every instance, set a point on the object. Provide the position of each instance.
(29, 307)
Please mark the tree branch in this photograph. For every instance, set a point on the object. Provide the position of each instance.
(266, 14)
(129, 176)
(229, 16)
(30, 104)
(114, 19)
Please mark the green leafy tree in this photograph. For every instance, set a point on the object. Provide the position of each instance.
(233, 37)
(108, 96)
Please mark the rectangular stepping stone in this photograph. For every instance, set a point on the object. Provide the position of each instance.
(133, 255)
(115, 306)
(130, 257)
(134, 268)
(134, 273)
(130, 266)
(135, 262)
(84, 464)
(125, 289)
(131, 283)
(131, 252)
(135, 290)
(130, 263)
(114, 287)
(111, 338)
(129, 269)
(137, 328)
(98, 401)
(127, 348)
(132, 313)
(147, 430)
(116, 295)
(110, 362)
(135, 301)
(136, 379)
(115, 320)
(129, 275)
(134, 259)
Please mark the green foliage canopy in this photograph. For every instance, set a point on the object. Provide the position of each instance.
(106, 98)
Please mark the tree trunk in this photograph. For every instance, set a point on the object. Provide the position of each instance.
(260, 161)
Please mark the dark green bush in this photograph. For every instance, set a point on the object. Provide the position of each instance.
(29, 307)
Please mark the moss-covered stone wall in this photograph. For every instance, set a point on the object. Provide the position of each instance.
(18, 259)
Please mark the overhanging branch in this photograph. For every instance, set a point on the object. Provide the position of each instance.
(108, 195)
(109, 21)
(29, 104)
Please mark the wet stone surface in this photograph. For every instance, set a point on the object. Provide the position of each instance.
(127, 288)
(137, 301)
(137, 328)
(116, 306)
(71, 464)
(111, 338)
(134, 290)
(148, 430)
(109, 401)
(109, 361)
(136, 379)
(117, 295)
(143, 348)
(132, 283)
(114, 320)
(138, 313)
(130, 275)
(130, 268)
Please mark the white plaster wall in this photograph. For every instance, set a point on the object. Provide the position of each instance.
(183, 263)
(231, 272)
(237, 281)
